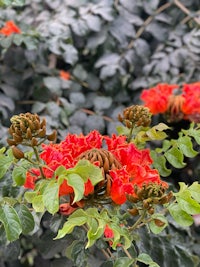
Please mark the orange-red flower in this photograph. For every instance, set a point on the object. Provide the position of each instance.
(191, 94)
(164, 99)
(65, 75)
(156, 98)
(134, 166)
(9, 28)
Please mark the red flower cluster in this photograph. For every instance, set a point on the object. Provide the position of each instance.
(135, 164)
(9, 28)
(163, 99)
(156, 98)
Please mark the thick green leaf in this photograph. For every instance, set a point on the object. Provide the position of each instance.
(29, 196)
(159, 162)
(37, 203)
(123, 262)
(68, 227)
(186, 146)
(5, 163)
(195, 191)
(175, 157)
(145, 258)
(11, 222)
(180, 216)
(95, 231)
(188, 204)
(26, 218)
(154, 227)
(87, 170)
(19, 175)
(155, 134)
(195, 133)
(51, 197)
(74, 180)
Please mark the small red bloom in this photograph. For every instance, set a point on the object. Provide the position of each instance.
(9, 28)
(66, 209)
(108, 232)
(65, 75)
(156, 98)
(31, 177)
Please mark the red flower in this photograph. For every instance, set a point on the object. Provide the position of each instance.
(108, 232)
(191, 94)
(9, 28)
(134, 165)
(65, 75)
(156, 98)
(31, 177)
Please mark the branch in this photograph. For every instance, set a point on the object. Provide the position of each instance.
(186, 11)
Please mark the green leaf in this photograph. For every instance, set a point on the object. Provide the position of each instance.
(195, 191)
(195, 133)
(37, 203)
(175, 157)
(77, 218)
(74, 180)
(179, 215)
(51, 197)
(29, 196)
(152, 225)
(95, 231)
(154, 134)
(19, 175)
(26, 218)
(123, 262)
(159, 163)
(187, 203)
(5, 163)
(185, 145)
(87, 170)
(6, 42)
(11, 222)
(146, 259)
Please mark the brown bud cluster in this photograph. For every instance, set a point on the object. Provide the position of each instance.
(135, 116)
(26, 129)
(150, 195)
(107, 162)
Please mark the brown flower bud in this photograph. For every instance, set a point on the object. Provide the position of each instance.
(11, 142)
(133, 211)
(52, 136)
(42, 132)
(17, 138)
(34, 142)
(29, 133)
(151, 210)
(159, 223)
(43, 123)
(17, 153)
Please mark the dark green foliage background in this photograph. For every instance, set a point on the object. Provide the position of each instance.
(113, 50)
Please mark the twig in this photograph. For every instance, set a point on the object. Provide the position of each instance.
(147, 22)
(186, 10)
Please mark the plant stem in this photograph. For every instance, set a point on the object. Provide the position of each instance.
(38, 161)
(139, 221)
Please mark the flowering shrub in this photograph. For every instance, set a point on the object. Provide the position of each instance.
(78, 64)
(104, 185)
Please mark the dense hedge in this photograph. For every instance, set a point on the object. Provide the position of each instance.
(112, 50)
